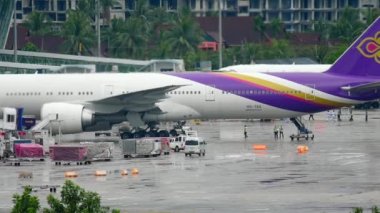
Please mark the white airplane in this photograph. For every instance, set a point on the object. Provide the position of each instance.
(88, 102)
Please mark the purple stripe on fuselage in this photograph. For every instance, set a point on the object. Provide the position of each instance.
(330, 83)
(228, 83)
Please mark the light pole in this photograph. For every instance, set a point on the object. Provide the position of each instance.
(220, 36)
(14, 32)
(98, 26)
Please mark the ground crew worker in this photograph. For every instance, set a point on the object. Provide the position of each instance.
(311, 116)
(275, 131)
(281, 132)
(245, 131)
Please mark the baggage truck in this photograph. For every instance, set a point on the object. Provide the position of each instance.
(141, 147)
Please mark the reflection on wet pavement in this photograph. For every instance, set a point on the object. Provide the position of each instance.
(341, 170)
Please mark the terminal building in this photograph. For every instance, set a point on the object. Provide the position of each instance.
(297, 15)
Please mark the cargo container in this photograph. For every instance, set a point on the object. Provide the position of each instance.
(29, 151)
(98, 151)
(69, 153)
(141, 147)
(20, 141)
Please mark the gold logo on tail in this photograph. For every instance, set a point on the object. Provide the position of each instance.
(370, 47)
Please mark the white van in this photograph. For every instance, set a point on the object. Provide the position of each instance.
(195, 145)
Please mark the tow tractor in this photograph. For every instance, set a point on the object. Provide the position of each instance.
(303, 132)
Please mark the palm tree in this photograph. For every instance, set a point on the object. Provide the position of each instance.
(106, 5)
(87, 7)
(141, 8)
(38, 25)
(128, 38)
(159, 19)
(184, 36)
(79, 34)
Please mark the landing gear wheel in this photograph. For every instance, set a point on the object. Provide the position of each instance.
(151, 134)
(163, 133)
(173, 132)
(126, 135)
(176, 149)
(139, 134)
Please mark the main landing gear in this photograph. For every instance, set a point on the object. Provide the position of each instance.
(153, 130)
(303, 132)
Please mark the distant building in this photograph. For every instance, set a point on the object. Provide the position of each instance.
(297, 15)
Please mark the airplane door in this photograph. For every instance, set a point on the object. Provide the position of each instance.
(210, 93)
(108, 90)
(310, 94)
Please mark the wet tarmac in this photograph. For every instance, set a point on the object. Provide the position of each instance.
(340, 171)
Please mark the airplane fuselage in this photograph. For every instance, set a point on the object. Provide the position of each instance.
(203, 95)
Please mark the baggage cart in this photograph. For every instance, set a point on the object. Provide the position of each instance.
(99, 151)
(141, 147)
(68, 154)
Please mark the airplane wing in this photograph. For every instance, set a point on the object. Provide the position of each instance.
(362, 87)
(139, 101)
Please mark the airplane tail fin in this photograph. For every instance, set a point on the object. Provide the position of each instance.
(362, 58)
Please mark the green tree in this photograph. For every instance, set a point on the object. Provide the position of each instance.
(184, 36)
(129, 38)
(106, 5)
(276, 27)
(87, 7)
(30, 47)
(348, 26)
(370, 14)
(38, 25)
(333, 55)
(141, 8)
(248, 53)
(323, 28)
(75, 199)
(320, 52)
(78, 33)
(281, 49)
(25, 203)
(259, 26)
(159, 20)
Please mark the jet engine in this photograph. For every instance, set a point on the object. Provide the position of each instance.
(70, 118)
